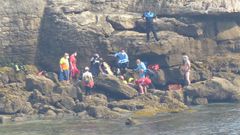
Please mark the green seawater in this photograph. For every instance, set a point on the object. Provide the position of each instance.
(214, 119)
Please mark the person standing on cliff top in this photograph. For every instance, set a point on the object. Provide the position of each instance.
(64, 68)
(149, 17)
(185, 68)
(73, 65)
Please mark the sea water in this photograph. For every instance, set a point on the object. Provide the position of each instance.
(214, 119)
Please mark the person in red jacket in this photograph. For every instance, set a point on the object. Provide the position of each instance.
(73, 66)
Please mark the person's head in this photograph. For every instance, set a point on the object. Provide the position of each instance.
(96, 55)
(66, 55)
(184, 53)
(122, 51)
(86, 68)
(138, 61)
(121, 77)
(75, 53)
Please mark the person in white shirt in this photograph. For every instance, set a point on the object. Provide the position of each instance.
(87, 81)
(185, 68)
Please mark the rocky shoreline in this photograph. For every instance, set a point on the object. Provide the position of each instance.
(24, 95)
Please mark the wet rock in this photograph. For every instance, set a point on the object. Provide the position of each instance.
(131, 122)
(41, 83)
(79, 107)
(114, 88)
(200, 101)
(102, 112)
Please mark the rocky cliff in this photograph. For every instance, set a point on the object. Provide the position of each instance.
(19, 30)
(40, 31)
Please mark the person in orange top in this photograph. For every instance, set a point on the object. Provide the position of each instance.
(64, 68)
(73, 64)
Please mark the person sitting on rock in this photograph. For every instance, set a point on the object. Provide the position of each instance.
(122, 61)
(73, 65)
(141, 68)
(64, 68)
(95, 65)
(87, 81)
(149, 17)
(185, 68)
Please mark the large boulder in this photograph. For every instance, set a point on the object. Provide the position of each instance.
(68, 89)
(102, 112)
(41, 83)
(214, 90)
(114, 88)
(227, 31)
(13, 101)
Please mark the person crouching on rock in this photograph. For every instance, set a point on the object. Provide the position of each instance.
(149, 17)
(141, 68)
(143, 84)
(185, 68)
(122, 61)
(64, 68)
(87, 81)
(73, 65)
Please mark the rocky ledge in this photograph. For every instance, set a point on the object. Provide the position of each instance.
(24, 94)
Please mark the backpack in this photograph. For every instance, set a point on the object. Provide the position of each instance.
(87, 79)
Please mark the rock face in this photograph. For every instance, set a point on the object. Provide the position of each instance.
(114, 88)
(215, 90)
(19, 28)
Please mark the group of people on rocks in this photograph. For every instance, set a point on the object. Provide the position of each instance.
(69, 70)
(68, 65)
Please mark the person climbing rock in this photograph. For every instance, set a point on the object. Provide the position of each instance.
(122, 61)
(73, 64)
(185, 68)
(64, 68)
(143, 84)
(95, 65)
(87, 81)
(141, 68)
(149, 17)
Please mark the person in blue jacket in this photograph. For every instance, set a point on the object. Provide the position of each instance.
(122, 60)
(141, 68)
(149, 17)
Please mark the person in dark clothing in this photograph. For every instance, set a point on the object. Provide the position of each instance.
(149, 16)
(95, 64)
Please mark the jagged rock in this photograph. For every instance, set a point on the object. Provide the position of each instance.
(67, 102)
(79, 107)
(13, 101)
(114, 88)
(122, 22)
(37, 97)
(52, 76)
(200, 101)
(96, 100)
(102, 112)
(85, 18)
(68, 89)
(215, 90)
(41, 83)
(227, 31)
